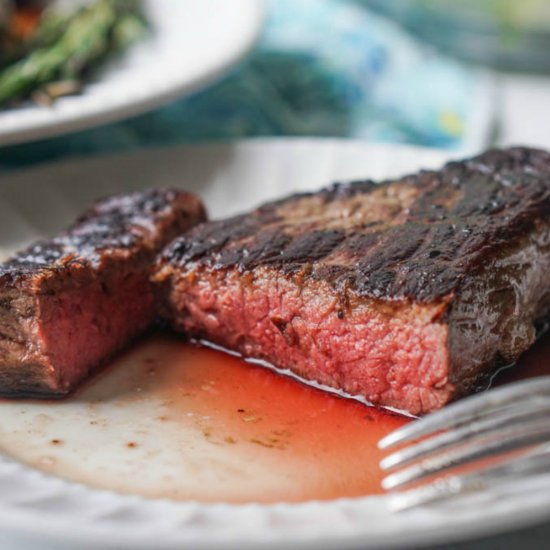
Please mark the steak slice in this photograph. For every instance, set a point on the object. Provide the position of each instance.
(409, 293)
(67, 304)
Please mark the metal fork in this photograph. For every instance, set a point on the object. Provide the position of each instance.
(511, 423)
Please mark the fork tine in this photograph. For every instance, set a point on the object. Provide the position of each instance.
(467, 409)
(443, 440)
(494, 444)
(535, 463)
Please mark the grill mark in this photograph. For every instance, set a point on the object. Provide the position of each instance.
(420, 245)
(118, 223)
(10, 338)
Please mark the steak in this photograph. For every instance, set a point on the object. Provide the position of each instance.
(409, 293)
(69, 303)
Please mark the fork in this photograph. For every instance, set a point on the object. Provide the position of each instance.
(511, 422)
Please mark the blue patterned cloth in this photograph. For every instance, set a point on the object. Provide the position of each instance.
(321, 68)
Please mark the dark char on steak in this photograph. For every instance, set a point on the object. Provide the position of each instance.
(69, 303)
(409, 292)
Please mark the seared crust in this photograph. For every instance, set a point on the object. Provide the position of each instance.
(113, 228)
(418, 238)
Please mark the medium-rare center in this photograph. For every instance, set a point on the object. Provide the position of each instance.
(409, 293)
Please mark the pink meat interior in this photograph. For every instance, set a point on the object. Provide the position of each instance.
(390, 355)
(80, 327)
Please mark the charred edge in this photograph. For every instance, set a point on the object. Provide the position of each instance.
(114, 223)
(461, 216)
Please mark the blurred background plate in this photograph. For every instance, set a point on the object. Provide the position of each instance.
(192, 43)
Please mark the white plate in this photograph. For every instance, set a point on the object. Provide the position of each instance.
(36, 509)
(193, 42)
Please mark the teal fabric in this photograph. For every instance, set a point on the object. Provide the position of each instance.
(321, 68)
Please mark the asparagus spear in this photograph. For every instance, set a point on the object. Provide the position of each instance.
(52, 25)
(90, 35)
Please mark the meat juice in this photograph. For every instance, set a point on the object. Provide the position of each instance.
(170, 419)
(328, 444)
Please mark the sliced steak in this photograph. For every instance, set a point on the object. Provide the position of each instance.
(408, 293)
(69, 303)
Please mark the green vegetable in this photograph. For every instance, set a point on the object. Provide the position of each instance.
(69, 46)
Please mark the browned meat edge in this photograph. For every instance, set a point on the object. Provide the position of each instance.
(434, 279)
(69, 303)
